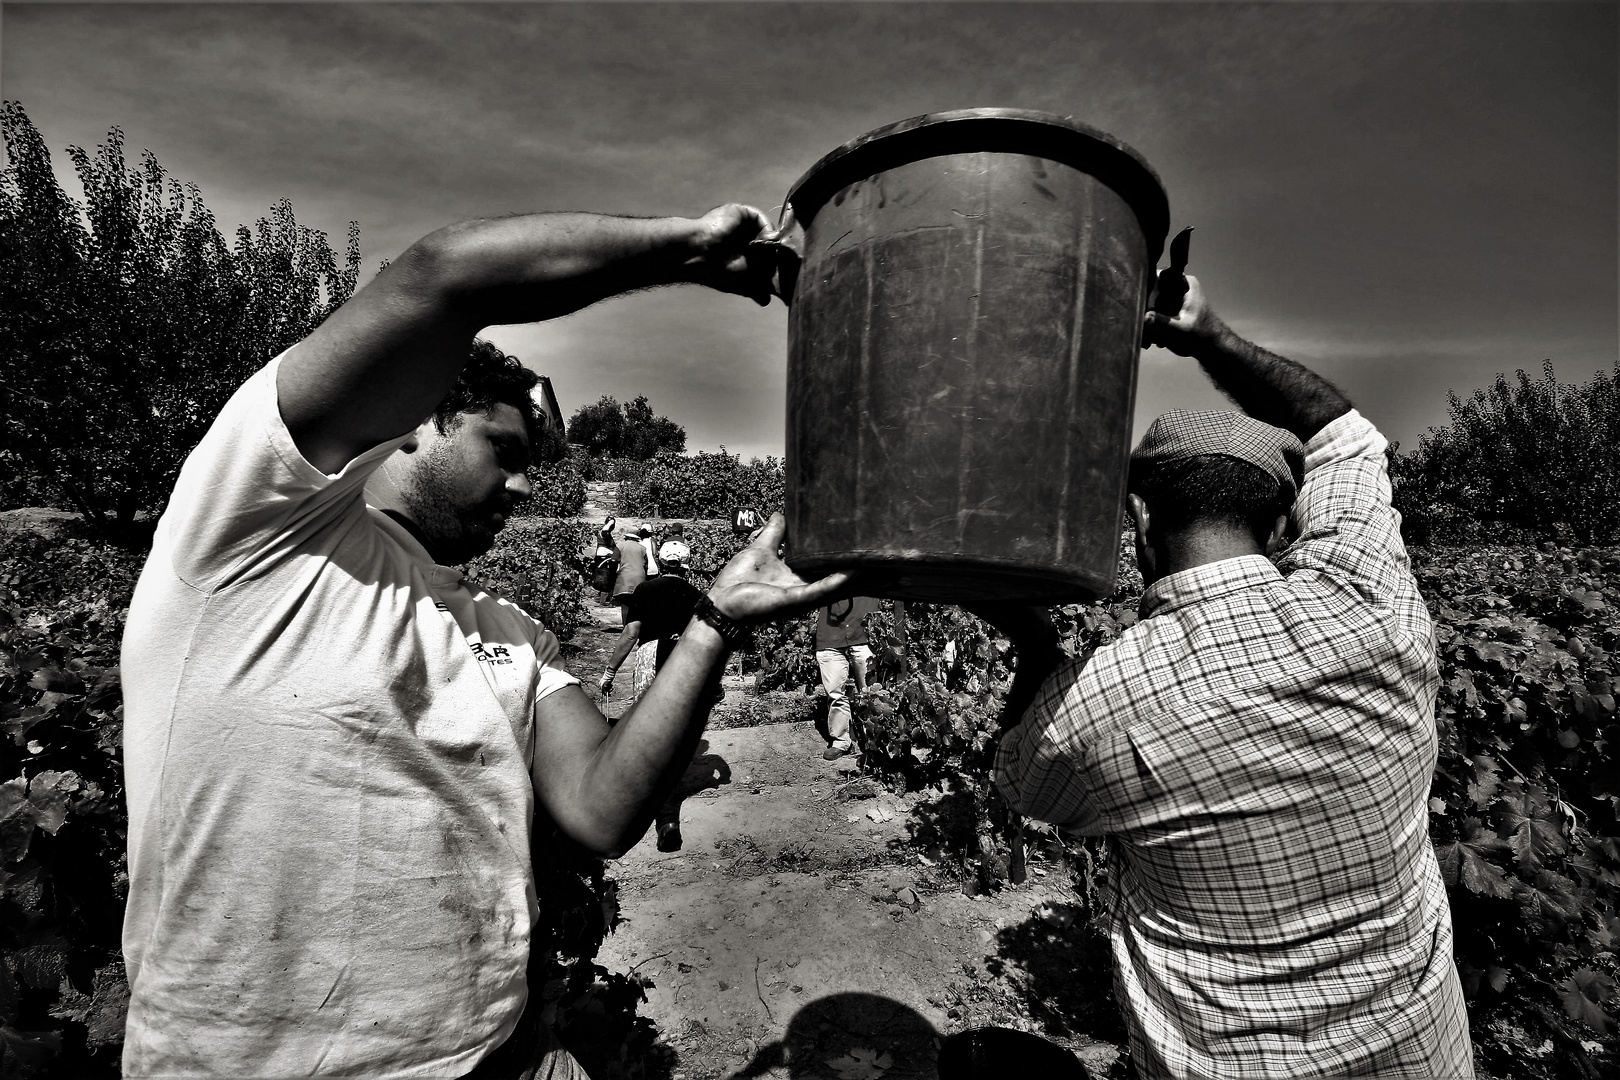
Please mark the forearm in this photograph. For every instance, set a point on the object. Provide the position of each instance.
(1036, 662)
(538, 266)
(379, 364)
(1038, 651)
(1269, 387)
(628, 639)
(643, 756)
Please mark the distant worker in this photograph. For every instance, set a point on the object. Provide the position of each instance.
(843, 650)
(654, 615)
(604, 568)
(636, 564)
(659, 610)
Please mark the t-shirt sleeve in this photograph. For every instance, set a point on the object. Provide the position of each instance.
(1348, 527)
(245, 489)
(548, 657)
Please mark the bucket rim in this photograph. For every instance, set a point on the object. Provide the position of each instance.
(1019, 131)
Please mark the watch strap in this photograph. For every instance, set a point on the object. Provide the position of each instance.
(732, 632)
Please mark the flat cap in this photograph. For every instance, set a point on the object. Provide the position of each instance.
(1181, 434)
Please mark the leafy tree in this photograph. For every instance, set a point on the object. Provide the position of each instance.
(1534, 455)
(608, 429)
(702, 485)
(127, 321)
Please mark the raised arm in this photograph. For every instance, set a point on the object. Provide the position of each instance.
(383, 360)
(602, 785)
(1268, 387)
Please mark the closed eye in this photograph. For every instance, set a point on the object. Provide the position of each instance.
(511, 454)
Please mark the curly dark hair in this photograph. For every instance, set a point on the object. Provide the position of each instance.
(490, 377)
(1212, 488)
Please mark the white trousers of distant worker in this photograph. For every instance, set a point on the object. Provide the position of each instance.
(836, 667)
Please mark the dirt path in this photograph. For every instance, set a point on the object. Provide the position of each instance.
(798, 922)
(600, 498)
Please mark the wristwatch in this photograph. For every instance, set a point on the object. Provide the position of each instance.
(733, 633)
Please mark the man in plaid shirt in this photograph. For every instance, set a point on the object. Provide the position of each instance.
(1258, 748)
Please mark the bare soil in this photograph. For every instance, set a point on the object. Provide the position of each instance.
(801, 920)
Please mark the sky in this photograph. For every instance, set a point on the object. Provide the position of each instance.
(1408, 198)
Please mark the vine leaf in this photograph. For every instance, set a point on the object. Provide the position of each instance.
(1549, 903)
(1532, 827)
(1464, 862)
(1459, 862)
(1583, 995)
(28, 1052)
(102, 1012)
(1483, 787)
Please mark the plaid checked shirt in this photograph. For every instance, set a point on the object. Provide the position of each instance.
(1258, 751)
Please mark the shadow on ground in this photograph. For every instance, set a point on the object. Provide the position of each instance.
(1057, 965)
(851, 1028)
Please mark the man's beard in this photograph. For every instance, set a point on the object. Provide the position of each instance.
(454, 533)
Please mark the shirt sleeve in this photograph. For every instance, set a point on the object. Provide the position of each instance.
(1348, 527)
(1038, 763)
(246, 487)
(552, 675)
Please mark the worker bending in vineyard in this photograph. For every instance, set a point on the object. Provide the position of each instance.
(335, 746)
(1258, 748)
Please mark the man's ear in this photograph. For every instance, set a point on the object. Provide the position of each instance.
(1274, 542)
(1142, 519)
(1141, 516)
(424, 432)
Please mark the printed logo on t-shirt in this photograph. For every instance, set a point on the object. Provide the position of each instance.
(493, 654)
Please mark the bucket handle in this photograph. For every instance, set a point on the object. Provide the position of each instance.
(780, 253)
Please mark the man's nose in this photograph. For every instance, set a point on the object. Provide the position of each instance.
(517, 484)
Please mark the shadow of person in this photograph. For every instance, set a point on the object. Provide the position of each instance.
(705, 772)
(852, 1028)
(990, 1053)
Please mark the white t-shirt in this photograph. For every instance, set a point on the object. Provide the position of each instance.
(327, 745)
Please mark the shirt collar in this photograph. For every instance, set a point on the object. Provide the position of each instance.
(437, 573)
(1205, 582)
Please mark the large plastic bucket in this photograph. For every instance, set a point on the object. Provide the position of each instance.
(962, 353)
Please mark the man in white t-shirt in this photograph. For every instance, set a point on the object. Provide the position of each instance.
(334, 744)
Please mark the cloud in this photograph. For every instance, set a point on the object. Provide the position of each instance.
(1413, 196)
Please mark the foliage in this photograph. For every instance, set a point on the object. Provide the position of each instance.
(62, 824)
(1523, 813)
(125, 327)
(1536, 456)
(539, 564)
(784, 655)
(608, 468)
(608, 429)
(551, 446)
(592, 1009)
(702, 485)
(558, 490)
